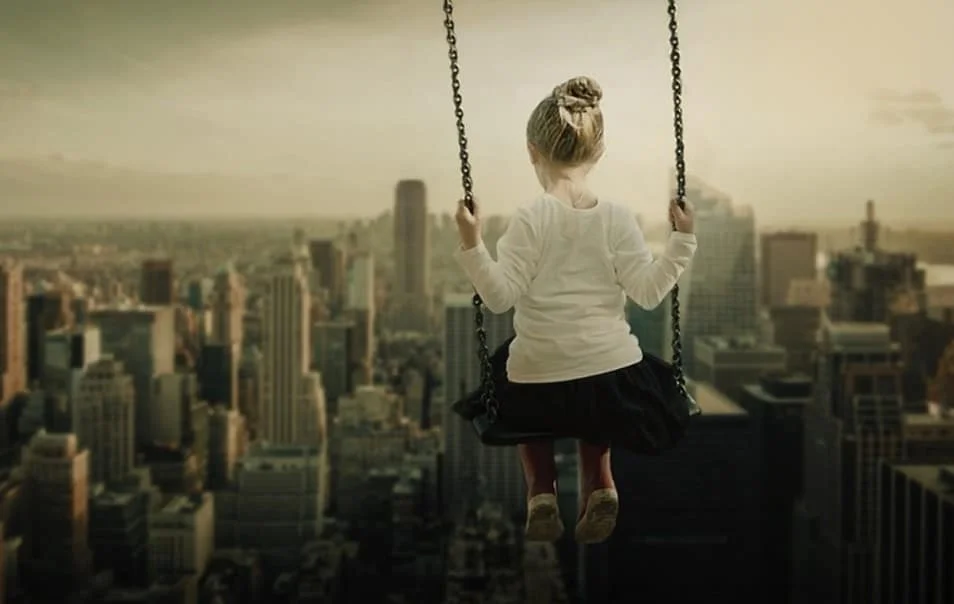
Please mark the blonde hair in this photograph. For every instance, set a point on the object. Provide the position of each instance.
(566, 128)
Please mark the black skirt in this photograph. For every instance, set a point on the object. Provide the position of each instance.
(637, 408)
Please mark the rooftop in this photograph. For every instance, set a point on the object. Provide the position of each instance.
(936, 478)
(740, 343)
(712, 401)
(183, 504)
(456, 300)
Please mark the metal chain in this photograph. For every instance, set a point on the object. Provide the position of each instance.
(487, 394)
(674, 58)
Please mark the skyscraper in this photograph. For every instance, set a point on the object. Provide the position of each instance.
(469, 467)
(157, 286)
(360, 308)
(105, 420)
(12, 363)
(55, 551)
(228, 307)
(719, 289)
(786, 256)
(867, 281)
(853, 422)
(410, 297)
(288, 391)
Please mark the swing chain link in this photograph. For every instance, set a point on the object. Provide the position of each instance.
(674, 58)
(487, 394)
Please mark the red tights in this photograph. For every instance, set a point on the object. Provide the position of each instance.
(540, 472)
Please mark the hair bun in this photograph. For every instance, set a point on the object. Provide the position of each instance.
(578, 94)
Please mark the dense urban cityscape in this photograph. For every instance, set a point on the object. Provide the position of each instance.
(231, 413)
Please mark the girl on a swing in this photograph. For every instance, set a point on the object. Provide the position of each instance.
(566, 264)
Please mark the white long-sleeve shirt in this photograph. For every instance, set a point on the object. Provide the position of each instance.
(567, 272)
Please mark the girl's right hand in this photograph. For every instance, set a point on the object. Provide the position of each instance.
(684, 219)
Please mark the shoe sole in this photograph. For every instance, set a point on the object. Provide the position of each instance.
(599, 522)
(544, 523)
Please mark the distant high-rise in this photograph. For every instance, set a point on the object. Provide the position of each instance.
(144, 339)
(12, 362)
(786, 257)
(157, 285)
(467, 463)
(328, 261)
(105, 420)
(46, 310)
(867, 281)
(719, 289)
(360, 309)
(228, 307)
(410, 297)
(55, 552)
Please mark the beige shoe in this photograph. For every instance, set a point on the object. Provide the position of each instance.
(599, 518)
(543, 518)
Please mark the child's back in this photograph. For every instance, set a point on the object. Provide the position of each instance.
(566, 271)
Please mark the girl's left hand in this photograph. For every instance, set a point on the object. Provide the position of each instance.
(468, 224)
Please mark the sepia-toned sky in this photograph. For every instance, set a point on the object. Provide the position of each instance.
(801, 109)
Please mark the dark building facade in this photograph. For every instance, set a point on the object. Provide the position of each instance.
(915, 540)
(854, 421)
(776, 406)
(686, 530)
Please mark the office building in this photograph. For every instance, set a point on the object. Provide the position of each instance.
(687, 522)
(157, 286)
(854, 421)
(182, 535)
(144, 339)
(776, 406)
(55, 553)
(915, 534)
(729, 363)
(467, 463)
(411, 293)
(105, 420)
(718, 291)
(290, 394)
(866, 282)
(12, 344)
(787, 256)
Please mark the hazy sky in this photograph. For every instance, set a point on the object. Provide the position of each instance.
(801, 109)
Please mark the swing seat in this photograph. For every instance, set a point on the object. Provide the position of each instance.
(638, 408)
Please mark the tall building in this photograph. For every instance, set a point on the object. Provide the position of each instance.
(777, 406)
(915, 548)
(46, 311)
(157, 283)
(719, 288)
(410, 296)
(228, 439)
(866, 282)
(332, 357)
(119, 534)
(277, 502)
(329, 263)
(228, 307)
(144, 339)
(786, 257)
(360, 308)
(105, 415)
(12, 361)
(288, 392)
(55, 553)
(182, 535)
(854, 421)
(469, 466)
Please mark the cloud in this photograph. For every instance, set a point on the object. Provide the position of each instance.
(922, 108)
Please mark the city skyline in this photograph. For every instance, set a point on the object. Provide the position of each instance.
(105, 112)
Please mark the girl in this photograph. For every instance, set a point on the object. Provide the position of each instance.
(566, 263)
